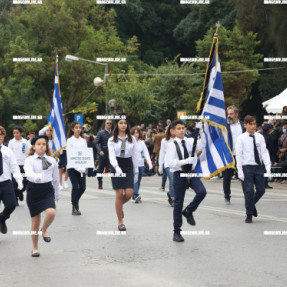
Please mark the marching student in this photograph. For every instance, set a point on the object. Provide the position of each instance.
(8, 165)
(30, 136)
(102, 149)
(164, 168)
(19, 146)
(142, 154)
(180, 161)
(123, 159)
(43, 188)
(47, 131)
(251, 154)
(77, 176)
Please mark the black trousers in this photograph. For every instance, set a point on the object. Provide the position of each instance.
(7, 196)
(227, 175)
(104, 161)
(78, 185)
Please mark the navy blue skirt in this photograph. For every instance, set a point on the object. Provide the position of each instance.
(40, 196)
(126, 164)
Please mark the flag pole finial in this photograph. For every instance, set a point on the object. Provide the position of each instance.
(217, 27)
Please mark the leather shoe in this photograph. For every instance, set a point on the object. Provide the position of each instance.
(177, 237)
(248, 219)
(255, 214)
(46, 238)
(3, 227)
(36, 254)
(189, 217)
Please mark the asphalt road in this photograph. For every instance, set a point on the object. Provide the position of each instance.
(221, 250)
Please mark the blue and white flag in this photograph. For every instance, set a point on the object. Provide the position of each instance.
(217, 155)
(57, 120)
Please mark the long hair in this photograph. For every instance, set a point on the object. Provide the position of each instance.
(71, 133)
(168, 134)
(32, 151)
(116, 133)
(134, 129)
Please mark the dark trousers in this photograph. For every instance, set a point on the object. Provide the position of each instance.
(7, 195)
(227, 175)
(179, 184)
(103, 161)
(78, 185)
(253, 175)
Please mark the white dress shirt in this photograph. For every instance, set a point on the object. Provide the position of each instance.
(236, 131)
(245, 151)
(33, 168)
(171, 153)
(162, 153)
(77, 143)
(20, 149)
(10, 165)
(142, 153)
(115, 151)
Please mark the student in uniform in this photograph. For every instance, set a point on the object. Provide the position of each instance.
(43, 188)
(8, 165)
(142, 154)
(251, 154)
(19, 146)
(77, 176)
(123, 159)
(62, 165)
(180, 161)
(164, 169)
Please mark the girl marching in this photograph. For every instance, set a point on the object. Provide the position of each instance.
(43, 188)
(142, 154)
(123, 159)
(77, 176)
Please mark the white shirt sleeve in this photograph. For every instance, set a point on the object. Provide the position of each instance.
(162, 152)
(43, 130)
(172, 157)
(239, 154)
(56, 177)
(112, 153)
(29, 172)
(134, 156)
(146, 155)
(14, 168)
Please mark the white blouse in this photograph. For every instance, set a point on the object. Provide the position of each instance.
(33, 169)
(115, 151)
(142, 153)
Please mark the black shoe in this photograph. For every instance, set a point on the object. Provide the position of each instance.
(189, 217)
(47, 238)
(169, 198)
(177, 237)
(248, 218)
(75, 211)
(3, 227)
(36, 254)
(122, 227)
(268, 187)
(255, 214)
(21, 196)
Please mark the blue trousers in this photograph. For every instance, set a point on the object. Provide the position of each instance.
(253, 175)
(138, 183)
(103, 161)
(163, 178)
(170, 178)
(7, 195)
(179, 184)
(78, 185)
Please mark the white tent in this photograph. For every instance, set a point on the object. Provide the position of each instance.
(276, 104)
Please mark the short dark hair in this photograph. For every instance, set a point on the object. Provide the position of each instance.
(160, 130)
(19, 128)
(177, 122)
(249, 119)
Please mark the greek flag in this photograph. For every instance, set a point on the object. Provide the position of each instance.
(57, 120)
(217, 155)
